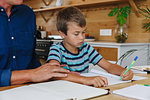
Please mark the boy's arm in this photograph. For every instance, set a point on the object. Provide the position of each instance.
(97, 81)
(115, 69)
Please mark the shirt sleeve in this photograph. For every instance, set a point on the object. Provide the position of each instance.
(5, 77)
(94, 56)
(54, 54)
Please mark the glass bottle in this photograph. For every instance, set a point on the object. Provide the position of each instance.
(121, 33)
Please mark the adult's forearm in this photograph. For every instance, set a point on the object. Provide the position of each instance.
(20, 77)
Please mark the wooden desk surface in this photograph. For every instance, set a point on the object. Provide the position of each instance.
(112, 87)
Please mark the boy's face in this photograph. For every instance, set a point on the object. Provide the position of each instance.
(13, 2)
(75, 35)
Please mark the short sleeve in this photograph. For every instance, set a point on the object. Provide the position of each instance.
(94, 56)
(54, 54)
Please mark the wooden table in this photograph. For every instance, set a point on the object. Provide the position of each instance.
(112, 87)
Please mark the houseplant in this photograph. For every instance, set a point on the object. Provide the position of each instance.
(146, 13)
(122, 14)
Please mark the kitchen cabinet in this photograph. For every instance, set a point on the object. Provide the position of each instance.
(113, 51)
(108, 53)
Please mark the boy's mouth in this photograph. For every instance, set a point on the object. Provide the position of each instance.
(80, 43)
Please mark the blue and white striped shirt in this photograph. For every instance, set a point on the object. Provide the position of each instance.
(74, 62)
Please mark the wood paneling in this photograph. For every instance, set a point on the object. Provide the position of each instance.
(108, 53)
(97, 19)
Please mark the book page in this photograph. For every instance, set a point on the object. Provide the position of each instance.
(112, 79)
(70, 89)
(136, 91)
(29, 93)
(142, 68)
(54, 90)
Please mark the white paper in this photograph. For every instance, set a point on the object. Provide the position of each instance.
(70, 89)
(112, 79)
(29, 93)
(138, 71)
(135, 78)
(136, 91)
(142, 68)
(55, 90)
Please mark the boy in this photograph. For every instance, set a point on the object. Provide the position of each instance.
(76, 54)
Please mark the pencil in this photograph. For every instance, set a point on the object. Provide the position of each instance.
(129, 66)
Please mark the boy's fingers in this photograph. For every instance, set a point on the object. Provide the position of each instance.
(100, 83)
(127, 76)
(105, 81)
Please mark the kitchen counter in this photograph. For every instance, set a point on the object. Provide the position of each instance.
(116, 44)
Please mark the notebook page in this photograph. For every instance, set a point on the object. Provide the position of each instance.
(112, 79)
(136, 91)
(70, 89)
(142, 68)
(29, 93)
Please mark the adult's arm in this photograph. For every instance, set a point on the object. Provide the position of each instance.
(40, 74)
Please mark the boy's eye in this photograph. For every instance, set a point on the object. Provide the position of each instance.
(76, 34)
(83, 32)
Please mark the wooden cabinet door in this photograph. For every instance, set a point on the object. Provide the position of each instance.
(108, 53)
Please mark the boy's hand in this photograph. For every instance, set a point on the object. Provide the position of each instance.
(127, 76)
(97, 81)
(47, 71)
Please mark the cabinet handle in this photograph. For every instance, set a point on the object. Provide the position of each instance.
(98, 50)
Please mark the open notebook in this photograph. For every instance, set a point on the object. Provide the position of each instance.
(145, 68)
(112, 79)
(139, 92)
(55, 90)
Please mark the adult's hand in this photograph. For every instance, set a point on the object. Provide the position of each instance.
(47, 71)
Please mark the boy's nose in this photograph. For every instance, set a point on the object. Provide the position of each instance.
(82, 36)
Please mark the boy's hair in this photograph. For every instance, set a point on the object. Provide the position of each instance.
(69, 14)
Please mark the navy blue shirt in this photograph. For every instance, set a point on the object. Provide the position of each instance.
(17, 41)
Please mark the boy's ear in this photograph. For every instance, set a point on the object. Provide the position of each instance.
(62, 34)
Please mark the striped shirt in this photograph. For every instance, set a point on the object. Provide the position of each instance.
(74, 62)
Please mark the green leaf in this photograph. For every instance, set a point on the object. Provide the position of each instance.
(127, 9)
(148, 10)
(124, 15)
(146, 26)
(121, 19)
(121, 13)
(113, 12)
(145, 11)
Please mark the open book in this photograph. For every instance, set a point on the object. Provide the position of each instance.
(139, 92)
(54, 90)
(112, 79)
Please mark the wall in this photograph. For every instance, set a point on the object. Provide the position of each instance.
(96, 19)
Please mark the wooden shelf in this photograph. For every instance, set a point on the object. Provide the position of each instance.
(82, 5)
